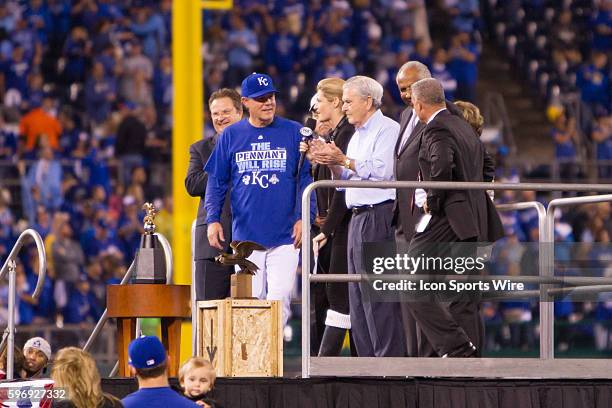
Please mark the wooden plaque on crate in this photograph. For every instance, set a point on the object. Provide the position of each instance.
(241, 337)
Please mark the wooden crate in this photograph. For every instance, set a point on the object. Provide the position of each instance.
(241, 337)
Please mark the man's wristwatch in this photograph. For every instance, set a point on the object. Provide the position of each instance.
(347, 163)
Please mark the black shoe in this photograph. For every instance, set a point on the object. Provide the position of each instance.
(466, 350)
(331, 344)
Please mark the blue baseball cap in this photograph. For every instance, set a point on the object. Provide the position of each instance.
(257, 85)
(146, 352)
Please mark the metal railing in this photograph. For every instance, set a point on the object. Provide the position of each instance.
(10, 266)
(544, 367)
(104, 318)
(546, 331)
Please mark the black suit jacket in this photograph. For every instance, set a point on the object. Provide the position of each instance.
(451, 151)
(406, 168)
(195, 183)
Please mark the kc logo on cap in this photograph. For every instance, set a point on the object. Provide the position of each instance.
(257, 85)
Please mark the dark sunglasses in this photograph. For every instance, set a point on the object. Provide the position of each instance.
(264, 98)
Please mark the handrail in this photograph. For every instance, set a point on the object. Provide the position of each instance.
(42, 258)
(169, 276)
(10, 266)
(546, 307)
(98, 328)
(545, 264)
(547, 331)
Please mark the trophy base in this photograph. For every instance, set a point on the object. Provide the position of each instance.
(150, 266)
(145, 280)
(241, 286)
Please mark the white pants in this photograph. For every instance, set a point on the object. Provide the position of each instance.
(275, 278)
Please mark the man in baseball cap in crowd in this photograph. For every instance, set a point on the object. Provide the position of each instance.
(149, 363)
(258, 157)
(37, 353)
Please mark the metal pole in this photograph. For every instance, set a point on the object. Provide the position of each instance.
(96, 331)
(547, 307)
(42, 258)
(547, 323)
(194, 346)
(114, 370)
(306, 280)
(10, 355)
(463, 185)
(42, 272)
(544, 261)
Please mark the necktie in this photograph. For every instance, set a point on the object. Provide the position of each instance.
(408, 131)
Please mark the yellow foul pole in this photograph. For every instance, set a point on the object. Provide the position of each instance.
(187, 112)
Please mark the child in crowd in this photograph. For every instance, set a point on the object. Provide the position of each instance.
(197, 378)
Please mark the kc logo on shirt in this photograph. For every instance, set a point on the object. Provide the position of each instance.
(263, 162)
(262, 180)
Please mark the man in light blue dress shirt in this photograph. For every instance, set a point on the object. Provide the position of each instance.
(377, 330)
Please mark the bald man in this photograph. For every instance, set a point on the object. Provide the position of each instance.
(450, 151)
(406, 168)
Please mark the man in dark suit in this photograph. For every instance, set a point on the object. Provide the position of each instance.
(450, 151)
(212, 280)
(406, 168)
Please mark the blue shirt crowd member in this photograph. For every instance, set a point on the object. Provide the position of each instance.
(148, 361)
(258, 157)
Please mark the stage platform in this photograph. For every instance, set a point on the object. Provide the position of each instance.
(399, 393)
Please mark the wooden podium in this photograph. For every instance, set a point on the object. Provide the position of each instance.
(171, 303)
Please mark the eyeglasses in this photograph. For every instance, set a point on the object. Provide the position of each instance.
(264, 98)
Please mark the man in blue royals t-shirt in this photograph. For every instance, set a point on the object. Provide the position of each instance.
(258, 157)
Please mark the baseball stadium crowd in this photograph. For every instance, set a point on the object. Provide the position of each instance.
(85, 123)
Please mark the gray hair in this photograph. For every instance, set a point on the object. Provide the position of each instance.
(419, 68)
(366, 86)
(428, 91)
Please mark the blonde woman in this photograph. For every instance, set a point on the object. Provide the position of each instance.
(472, 115)
(333, 217)
(75, 371)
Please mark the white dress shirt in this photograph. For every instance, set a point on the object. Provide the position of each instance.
(432, 117)
(372, 148)
(420, 195)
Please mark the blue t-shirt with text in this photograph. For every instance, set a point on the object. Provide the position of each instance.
(260, 165)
